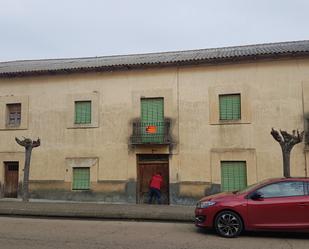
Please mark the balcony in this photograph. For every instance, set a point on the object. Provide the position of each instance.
(151, 133)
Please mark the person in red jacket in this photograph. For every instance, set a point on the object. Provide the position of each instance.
(155, 188)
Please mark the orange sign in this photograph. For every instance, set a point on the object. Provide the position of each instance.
(151, 129)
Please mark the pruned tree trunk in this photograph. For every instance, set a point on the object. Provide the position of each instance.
(287, 142)
(29, 145)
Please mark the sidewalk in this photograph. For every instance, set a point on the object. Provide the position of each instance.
(46, 208)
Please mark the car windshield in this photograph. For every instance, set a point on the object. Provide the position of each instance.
(250, 187)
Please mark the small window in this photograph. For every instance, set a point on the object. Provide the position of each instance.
(13, 115)
(229, 106)
(82, 112)
(283, 189)
(81, 178)
(233, 175)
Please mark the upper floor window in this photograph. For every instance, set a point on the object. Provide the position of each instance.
(229, 107)
(13, 115)
(152, 109)
(82, 112)
(152, 120)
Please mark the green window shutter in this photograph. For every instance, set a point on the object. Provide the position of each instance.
(152, 110)
(152, 114)
(233, 175)
(229, 107)
(82, 112)
(81, 178)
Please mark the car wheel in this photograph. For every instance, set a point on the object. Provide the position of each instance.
(228, 224)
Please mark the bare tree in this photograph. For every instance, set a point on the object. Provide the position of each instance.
(287, 142)
(29, 145)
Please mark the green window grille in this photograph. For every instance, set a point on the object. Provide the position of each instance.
(229, 105)
(81, 178)
(152, 115)
(233, 175)
(82, 112)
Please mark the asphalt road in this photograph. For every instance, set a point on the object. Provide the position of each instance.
(26, 233)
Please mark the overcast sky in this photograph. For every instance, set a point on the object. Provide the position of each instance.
(40, 29)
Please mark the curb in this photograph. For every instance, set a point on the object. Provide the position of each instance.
(98, 211)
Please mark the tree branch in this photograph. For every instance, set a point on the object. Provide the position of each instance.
(36, 143)
(276, 135)
(21, 143)
(292, 139)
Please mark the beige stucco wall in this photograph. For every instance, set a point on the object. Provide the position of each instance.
(272, 97)
(49, 116)
(274, 90)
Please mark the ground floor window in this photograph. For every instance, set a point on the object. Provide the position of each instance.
(233, 175)
(81, 178)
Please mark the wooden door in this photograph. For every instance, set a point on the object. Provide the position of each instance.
(11, 179)
(145, 172)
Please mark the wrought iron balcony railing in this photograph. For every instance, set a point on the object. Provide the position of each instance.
(150, 133)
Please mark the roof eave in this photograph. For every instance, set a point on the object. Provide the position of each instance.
(124, 67)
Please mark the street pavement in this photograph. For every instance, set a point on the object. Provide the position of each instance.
(63, 233)
(97, 210)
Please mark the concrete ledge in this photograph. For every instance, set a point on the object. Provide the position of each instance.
(98, 210)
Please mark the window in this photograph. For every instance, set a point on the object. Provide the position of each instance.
(229, 107)
(82, 112)
(283, 189)
(81, 178)
(13, 115)
(152, 120)
(233, 175)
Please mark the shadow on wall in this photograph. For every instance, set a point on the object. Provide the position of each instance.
(306, 128)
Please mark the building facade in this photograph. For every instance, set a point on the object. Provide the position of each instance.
(202, 118)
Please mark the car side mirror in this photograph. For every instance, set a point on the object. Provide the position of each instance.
(256, 196)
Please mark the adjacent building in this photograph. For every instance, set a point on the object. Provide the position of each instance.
(202, 118)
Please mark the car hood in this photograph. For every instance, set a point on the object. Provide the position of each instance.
(219, 196)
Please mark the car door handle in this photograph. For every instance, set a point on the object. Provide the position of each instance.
(303, 204)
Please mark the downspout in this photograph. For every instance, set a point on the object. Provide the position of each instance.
(178, 120)
(305, 128)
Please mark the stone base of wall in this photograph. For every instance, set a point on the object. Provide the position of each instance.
(188, 193)
(182, 193)
(102, 191)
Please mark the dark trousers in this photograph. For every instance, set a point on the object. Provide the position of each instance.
(154, 194)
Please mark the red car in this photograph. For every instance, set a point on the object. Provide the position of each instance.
(274, 204)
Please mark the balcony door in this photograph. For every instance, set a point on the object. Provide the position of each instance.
(152, 120)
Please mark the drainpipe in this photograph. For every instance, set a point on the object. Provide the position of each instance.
(305, 128)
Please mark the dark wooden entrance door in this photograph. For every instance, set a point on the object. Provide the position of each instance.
(145, 171)
(11, 179)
